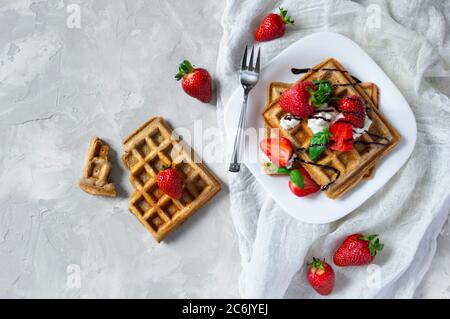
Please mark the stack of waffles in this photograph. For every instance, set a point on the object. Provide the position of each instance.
(337, 172)
(146, 151)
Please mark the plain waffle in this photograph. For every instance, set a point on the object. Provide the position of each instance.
(337, 172)
(146, 151)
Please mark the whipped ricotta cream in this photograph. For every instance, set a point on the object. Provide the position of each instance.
(291, 161)
(266, 158)
(289, 121)
(357, 132)
(288, 164)
(319, 121)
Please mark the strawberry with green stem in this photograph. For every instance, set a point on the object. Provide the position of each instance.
(169, 180)
(302, 98)
(357, 250)
(196, 82)
(273, 26)
(321, 276)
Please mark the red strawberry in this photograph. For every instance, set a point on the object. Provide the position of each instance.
(273, 26)
(296, 100)
(278, 149)
(353, 109)
(356, 120)
(309, 186)
(352, 104)
(357, 250)
(321, 276)
(341, 138)
(170, 182)
(195, 81)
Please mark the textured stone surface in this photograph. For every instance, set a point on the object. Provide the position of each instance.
(58, 87)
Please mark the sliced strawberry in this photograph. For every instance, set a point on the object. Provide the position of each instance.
(296, 100)
(309, 186)
(356, 120)
(341, 138)
(351, 104)
(278, 149)
(353, 110)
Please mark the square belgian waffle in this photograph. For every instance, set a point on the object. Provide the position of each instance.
(277, 88)
(95, 180)
(337, 172)
(146, 151)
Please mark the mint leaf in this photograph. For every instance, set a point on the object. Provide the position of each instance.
(297, 178)
(279, 170)
(322, 93)
(318, 144)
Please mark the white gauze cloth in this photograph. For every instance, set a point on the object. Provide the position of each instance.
(412, 45)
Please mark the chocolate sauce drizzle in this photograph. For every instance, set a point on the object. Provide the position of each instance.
(305, 70)
(328, 167)
(329, 110)
(321, 118)
(292, 117)
(377, 140)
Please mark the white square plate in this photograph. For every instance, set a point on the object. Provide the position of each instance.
(308, 52)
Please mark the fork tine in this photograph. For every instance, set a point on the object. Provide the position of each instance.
(250, 64)
(257, 61)
(244, 59)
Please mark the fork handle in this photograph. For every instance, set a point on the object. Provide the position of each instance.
(235, 164)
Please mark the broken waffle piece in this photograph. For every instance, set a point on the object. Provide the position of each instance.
(147, 151)
(96, 173)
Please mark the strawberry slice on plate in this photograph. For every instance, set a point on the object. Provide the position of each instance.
(341, 138)
(278, 149)
(353, 110)
(356, 120)
(301, 184)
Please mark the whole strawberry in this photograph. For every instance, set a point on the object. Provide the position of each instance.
(196, 82)
(296, 100)
(321, 276)
(357, 250)
(170, 182)
(273, 26)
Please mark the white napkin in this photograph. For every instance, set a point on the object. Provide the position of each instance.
(409, 39)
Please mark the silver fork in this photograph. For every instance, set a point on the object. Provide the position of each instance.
(249, 77)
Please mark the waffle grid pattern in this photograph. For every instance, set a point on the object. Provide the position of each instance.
(146, 152)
